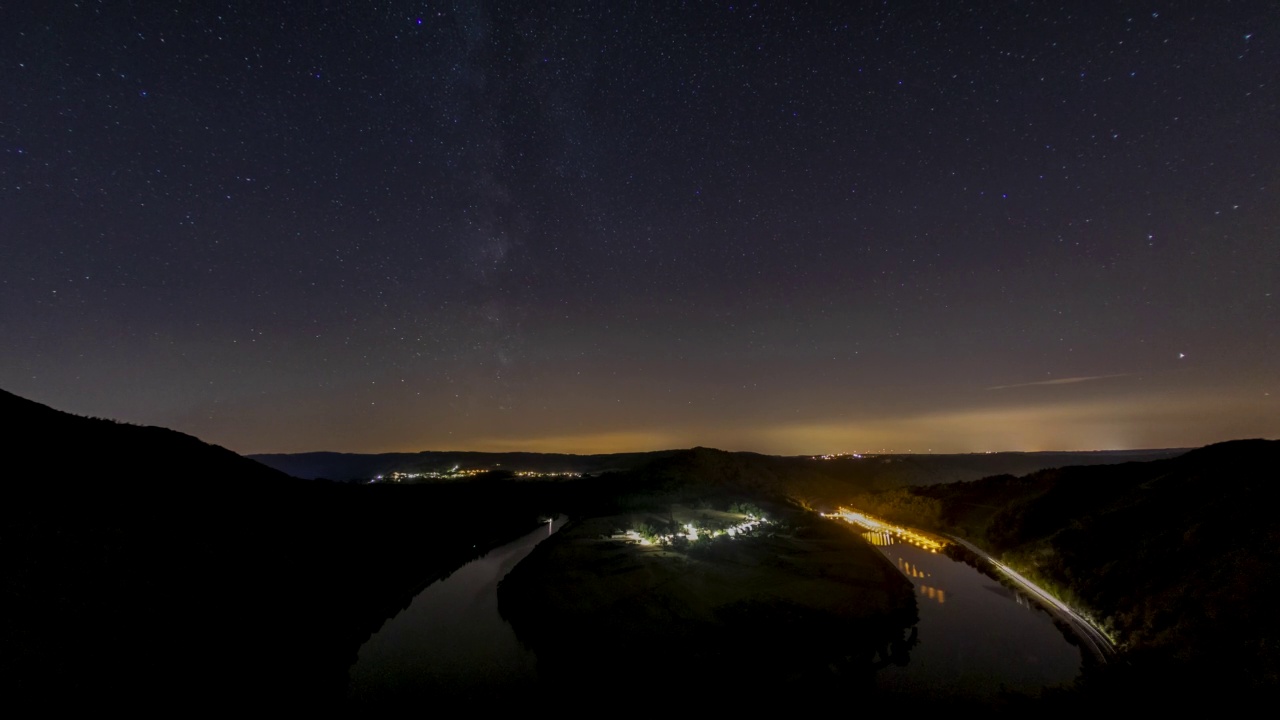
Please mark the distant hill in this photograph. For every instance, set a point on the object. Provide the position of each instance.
(1179, 557)
(358, 466)
(815, 479)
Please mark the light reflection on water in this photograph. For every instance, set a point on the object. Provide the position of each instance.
(977, 637)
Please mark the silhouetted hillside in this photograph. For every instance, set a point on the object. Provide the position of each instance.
(143, 567)
(47, 446)
(1179, 557)
(801, 609)
(823, 483)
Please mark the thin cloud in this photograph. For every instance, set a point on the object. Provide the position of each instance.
(1060, 381)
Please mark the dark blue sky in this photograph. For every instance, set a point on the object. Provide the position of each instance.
(785, 227)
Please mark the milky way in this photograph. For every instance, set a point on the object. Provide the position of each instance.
(782, 227)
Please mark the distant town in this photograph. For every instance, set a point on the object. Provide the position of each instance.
(460, 473)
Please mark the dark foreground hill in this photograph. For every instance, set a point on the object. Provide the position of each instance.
(801, 608)
(145, 569)
(1180, 558)
(47, 448)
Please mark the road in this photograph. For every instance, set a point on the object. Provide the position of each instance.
(1092, 638)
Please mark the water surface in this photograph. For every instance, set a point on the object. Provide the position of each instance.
(977, 638)
(450, 643)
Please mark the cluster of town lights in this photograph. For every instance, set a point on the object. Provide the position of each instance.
(693, 533)
(453, 474)
(456, 472)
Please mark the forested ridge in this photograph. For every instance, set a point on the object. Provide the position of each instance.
(1178, 559)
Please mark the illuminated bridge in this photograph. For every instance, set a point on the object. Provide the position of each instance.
(902, 534)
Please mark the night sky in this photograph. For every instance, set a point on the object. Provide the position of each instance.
(781, 227)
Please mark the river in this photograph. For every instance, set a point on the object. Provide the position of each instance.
(977, 638)
(450, 643)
